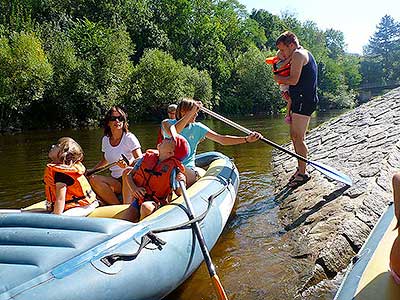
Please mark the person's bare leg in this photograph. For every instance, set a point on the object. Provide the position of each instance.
(106, 188)
(190, 176)
(395, 252)
(127, 181)
(298, 130)
(131, 214)
(146, 209)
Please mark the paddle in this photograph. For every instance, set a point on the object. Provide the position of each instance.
(207, 258)
(324, 169)
(101, 169)
(22, 210)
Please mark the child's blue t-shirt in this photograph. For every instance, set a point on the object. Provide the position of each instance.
(193, 133)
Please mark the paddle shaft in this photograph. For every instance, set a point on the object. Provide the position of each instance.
(324, 169)
(101, 169)
(207, 258)
(247, 131)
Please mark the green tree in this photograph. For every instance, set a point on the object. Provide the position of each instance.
(25, 73)
(92, 71)
(253, 88)
(335, 43)
(384, 46)
(272, 25)
(351, 67)
(159, 80)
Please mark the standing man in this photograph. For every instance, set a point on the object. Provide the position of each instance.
(302, 83)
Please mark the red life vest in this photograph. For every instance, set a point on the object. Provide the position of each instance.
(159, 136)
(278, 68)
(155, 177)
(80, 193)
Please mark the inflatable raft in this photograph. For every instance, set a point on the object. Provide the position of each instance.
(368, 278)
(44, 256)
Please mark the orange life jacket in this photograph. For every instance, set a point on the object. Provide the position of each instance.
(80, 193)
(277, 67)
(155, 177)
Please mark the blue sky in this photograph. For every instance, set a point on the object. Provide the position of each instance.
(357, 19)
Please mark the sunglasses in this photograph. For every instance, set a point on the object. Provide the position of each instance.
(115, 118)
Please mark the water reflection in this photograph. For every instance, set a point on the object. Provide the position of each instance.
(252, 256)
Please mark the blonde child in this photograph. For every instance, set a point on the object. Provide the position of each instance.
(281, 66)
(153, 178)
(67, 190)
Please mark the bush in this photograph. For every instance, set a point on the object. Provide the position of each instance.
(252, 86)
(92, 71)
(342, 98)
(25, 73)
(159, 80)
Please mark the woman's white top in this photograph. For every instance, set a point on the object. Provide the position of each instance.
(128, 143)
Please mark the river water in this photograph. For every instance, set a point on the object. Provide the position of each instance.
(252, 256)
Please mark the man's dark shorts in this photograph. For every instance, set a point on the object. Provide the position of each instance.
(303, 105)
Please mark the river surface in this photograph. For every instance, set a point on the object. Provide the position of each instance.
(252, 256)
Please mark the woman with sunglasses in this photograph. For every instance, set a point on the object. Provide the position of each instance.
(117, 140)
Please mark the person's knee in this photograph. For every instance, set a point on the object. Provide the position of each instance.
(190, 176)
(147, 208)
(297, 137)
(93, 181)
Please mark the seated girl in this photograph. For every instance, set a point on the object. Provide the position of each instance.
(67, 190)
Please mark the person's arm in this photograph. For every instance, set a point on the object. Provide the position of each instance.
(137, 153)
(232, 140)
(179, 177)
(129, 189)
(100, 164)
(165, 126)
(299, 59)
(61, 191)
(182, 122)
(132, 145)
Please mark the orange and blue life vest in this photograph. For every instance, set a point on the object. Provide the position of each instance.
(155, 177)
(80, 193)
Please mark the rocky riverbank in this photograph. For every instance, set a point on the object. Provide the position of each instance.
(327, 221)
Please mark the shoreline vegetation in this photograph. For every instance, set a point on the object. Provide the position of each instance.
(62, 65)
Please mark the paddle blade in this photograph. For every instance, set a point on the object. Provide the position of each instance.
(331, 172)
(219, 288)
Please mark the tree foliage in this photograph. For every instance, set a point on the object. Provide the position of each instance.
(81, 57)
(24, 73)
(160, 80)
(383, 53)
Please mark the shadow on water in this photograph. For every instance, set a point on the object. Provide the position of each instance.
(251, 256)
